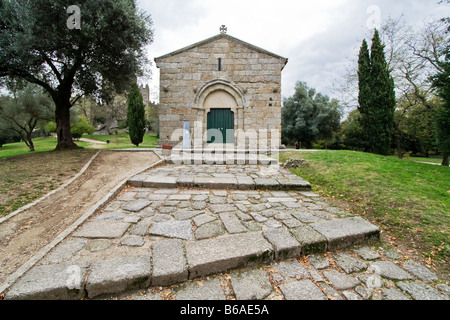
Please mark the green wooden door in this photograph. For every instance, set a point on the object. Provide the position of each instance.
(221, 123)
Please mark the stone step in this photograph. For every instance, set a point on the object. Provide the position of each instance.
(175, 261)
(237, 183)
(233, 177)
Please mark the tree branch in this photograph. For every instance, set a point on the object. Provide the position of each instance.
(52, 66)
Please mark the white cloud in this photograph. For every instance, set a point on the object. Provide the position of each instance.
(318, 37)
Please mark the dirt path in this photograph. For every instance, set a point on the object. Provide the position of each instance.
(25, 234)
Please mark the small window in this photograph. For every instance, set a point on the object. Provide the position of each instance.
(219, 63)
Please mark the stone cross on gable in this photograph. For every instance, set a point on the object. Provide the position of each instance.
(223, 29)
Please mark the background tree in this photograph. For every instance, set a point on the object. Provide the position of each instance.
(136, 115)
(352, 131)
(22, 112)
(441, 81)
(37, 46)
(376, 97)
(366, 120)
(308, 116)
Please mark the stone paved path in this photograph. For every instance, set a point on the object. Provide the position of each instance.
(172, 241)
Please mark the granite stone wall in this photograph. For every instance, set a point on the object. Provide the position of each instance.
(248, 74)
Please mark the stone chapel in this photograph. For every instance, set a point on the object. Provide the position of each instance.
(221, 90)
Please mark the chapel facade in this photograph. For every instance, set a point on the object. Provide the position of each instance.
(218, 91)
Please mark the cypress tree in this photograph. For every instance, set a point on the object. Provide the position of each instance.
(136, 115)
(364, 93)
(376, 97)
(382, 98)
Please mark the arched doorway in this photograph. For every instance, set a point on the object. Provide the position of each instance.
(220, 126)
(220, 107)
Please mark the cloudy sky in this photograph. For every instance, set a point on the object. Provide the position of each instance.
(319, 37)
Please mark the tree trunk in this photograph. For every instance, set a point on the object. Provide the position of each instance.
(62, 117)
(30, 143)
(445, 160)
(398, 143)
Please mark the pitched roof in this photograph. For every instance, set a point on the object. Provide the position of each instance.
(219, 36)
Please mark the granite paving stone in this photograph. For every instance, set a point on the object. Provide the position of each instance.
(173, 229)
(304, 216)
(227, 252)
(292, 223)
(203, 218)
(349, 295)
(366, 253)
(141, 227)
(389, 270)
(51, 282)
(136, 205)
(364, 292)
(318, 261)
(349, 263)
(119, 274)
(340, 280)
(310, 240)
(291, 269)
(65, 251)
(133, 241)
(102, 229)
(302, 290)
(185, 214)
(232, 222)
(394, 294)
(160, 182)
(111, 216)
(95, 245)
(284, 244)
(342, 233)
(419, 271)
(251, 284)
(421, 291)
(314, 274)
(273, 224)
(444, 288)
(200, 290)
(169, 262)
(209, 230)
(330, 292)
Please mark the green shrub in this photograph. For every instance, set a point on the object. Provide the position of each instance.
(81, 127)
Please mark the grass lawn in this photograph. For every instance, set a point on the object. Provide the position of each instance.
(423, 159)
(122, 140)
(409, 200)
(19, 148)
(27, 177)
(49, 144)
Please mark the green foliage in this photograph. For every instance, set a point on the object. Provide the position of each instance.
(21, 113)
(308, 116)
(136, 115)
(441, 81)
(352, 131)
(50, 127)
(80, 127)
(37, 46)
(376, 97)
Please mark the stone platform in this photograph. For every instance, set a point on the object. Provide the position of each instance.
(241, 177)
(163, 231)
